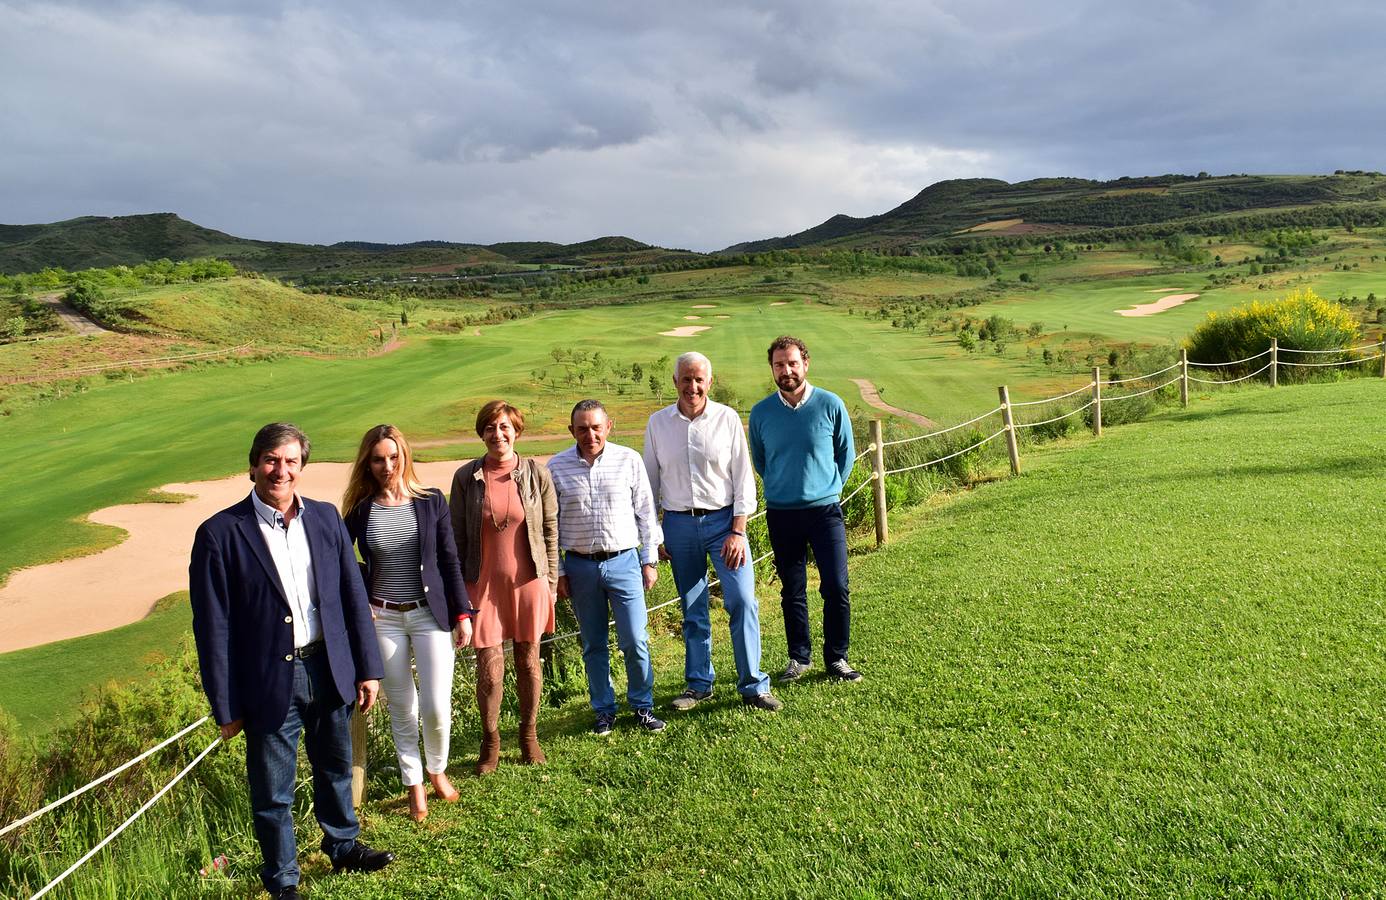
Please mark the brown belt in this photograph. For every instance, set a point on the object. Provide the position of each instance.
(397, 607)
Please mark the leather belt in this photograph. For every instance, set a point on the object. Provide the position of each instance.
(696, 513)
(308, 650)
(397, 607)
(599, 556)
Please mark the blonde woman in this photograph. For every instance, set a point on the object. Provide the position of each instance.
(418, 600)
(505, 518)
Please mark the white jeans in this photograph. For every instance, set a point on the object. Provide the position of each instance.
(433, 654)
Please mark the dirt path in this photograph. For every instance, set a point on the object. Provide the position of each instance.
(69, 316)
(873, 398)
(121, 584)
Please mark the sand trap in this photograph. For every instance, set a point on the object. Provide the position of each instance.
(692, 318)
(704, 306)
(1150, 309)
(723, 317)
(685, 330)
(120, 585)
(780, 303)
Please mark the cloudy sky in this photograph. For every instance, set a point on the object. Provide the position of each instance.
(685, 124)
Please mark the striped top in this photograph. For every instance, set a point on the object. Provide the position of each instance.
(605, 506)
(392, 534)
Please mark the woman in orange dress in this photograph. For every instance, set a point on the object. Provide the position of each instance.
(505, 520)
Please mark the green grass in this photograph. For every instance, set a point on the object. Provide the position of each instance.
(56, 677)
(1150, 665)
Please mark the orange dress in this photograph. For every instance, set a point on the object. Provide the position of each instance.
(511, 601)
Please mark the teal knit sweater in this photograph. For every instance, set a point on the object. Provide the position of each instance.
(803, 455)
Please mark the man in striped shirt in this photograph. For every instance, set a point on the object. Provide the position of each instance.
(609, 534)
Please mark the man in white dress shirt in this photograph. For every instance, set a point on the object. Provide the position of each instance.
(609, 536)
(701, 476)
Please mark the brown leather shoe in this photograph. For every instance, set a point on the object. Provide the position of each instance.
(443, 789)
(418, 802)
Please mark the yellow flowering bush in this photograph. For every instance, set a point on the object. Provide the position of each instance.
(1301, 320)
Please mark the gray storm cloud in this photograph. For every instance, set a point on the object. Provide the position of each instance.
(679, 124)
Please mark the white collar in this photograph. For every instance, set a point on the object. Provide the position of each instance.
(808, 392)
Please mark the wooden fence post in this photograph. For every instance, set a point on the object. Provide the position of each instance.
(1275, 362)
(358, 757)
(878, 495)
(1184, 378)
(1011, 447)
(1383, 357)
(1097, 401)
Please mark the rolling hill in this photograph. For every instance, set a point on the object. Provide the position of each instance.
(987, 206)
(96, 241)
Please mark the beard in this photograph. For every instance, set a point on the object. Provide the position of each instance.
(789, 383)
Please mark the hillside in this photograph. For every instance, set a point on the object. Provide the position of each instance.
(987, 206)
(1112, 675)
(96, 241)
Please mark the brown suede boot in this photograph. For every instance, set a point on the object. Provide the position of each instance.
(529, 682)
(490, 679)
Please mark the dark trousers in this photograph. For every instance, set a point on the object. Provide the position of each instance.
(271, 761)
(792, 533)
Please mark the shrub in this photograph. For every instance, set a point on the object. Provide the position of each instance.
(1300, 321)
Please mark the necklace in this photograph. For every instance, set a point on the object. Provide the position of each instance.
(500, 526)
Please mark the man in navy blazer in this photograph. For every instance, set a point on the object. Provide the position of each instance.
(286, 646)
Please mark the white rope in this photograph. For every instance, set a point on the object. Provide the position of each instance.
(859, 489)
(1375, 346)
(1234, 380)
(1235, 362)
(126, 824)
(931, 462)
(104, 778)
(1139, 377)
(1086, 387)
(869, 448)
(1141, 393)
(931, 434)
(1341, 362)
(1072, 412)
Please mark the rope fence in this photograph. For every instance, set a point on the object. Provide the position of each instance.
(878, 474)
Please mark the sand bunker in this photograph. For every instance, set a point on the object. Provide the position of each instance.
(704, 305)
(724, 317)
(120, 585)
(685, 330)
(693, 318)
(780, 303)
(1150, 309)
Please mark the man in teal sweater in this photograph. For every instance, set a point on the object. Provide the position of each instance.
(801, 444)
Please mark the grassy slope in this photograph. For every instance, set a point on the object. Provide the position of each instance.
(56, 677)
(1150, 665)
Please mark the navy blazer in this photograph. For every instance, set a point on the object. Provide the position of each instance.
(438, 563)
(243, 624)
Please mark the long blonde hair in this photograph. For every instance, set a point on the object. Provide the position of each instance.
(362, 483)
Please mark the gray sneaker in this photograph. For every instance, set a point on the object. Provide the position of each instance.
(794, 671)
(645, 718)
(767, 701)
(689, 699)
(840, 670)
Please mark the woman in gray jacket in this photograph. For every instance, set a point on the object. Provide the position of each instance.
(505, 519)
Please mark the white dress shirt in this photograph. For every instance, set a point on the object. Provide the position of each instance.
(288, 547)
(606, 505)
(700, 463)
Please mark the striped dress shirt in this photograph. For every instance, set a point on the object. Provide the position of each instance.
(605, 506)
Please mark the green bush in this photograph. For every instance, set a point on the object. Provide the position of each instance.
(1300, 321)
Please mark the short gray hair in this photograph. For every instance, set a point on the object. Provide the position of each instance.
(276, 435)
(586, 406)
(692, 357)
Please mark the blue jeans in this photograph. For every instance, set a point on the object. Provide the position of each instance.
(792, 533)
(271, 761)
(615, 585)
(690, 542)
